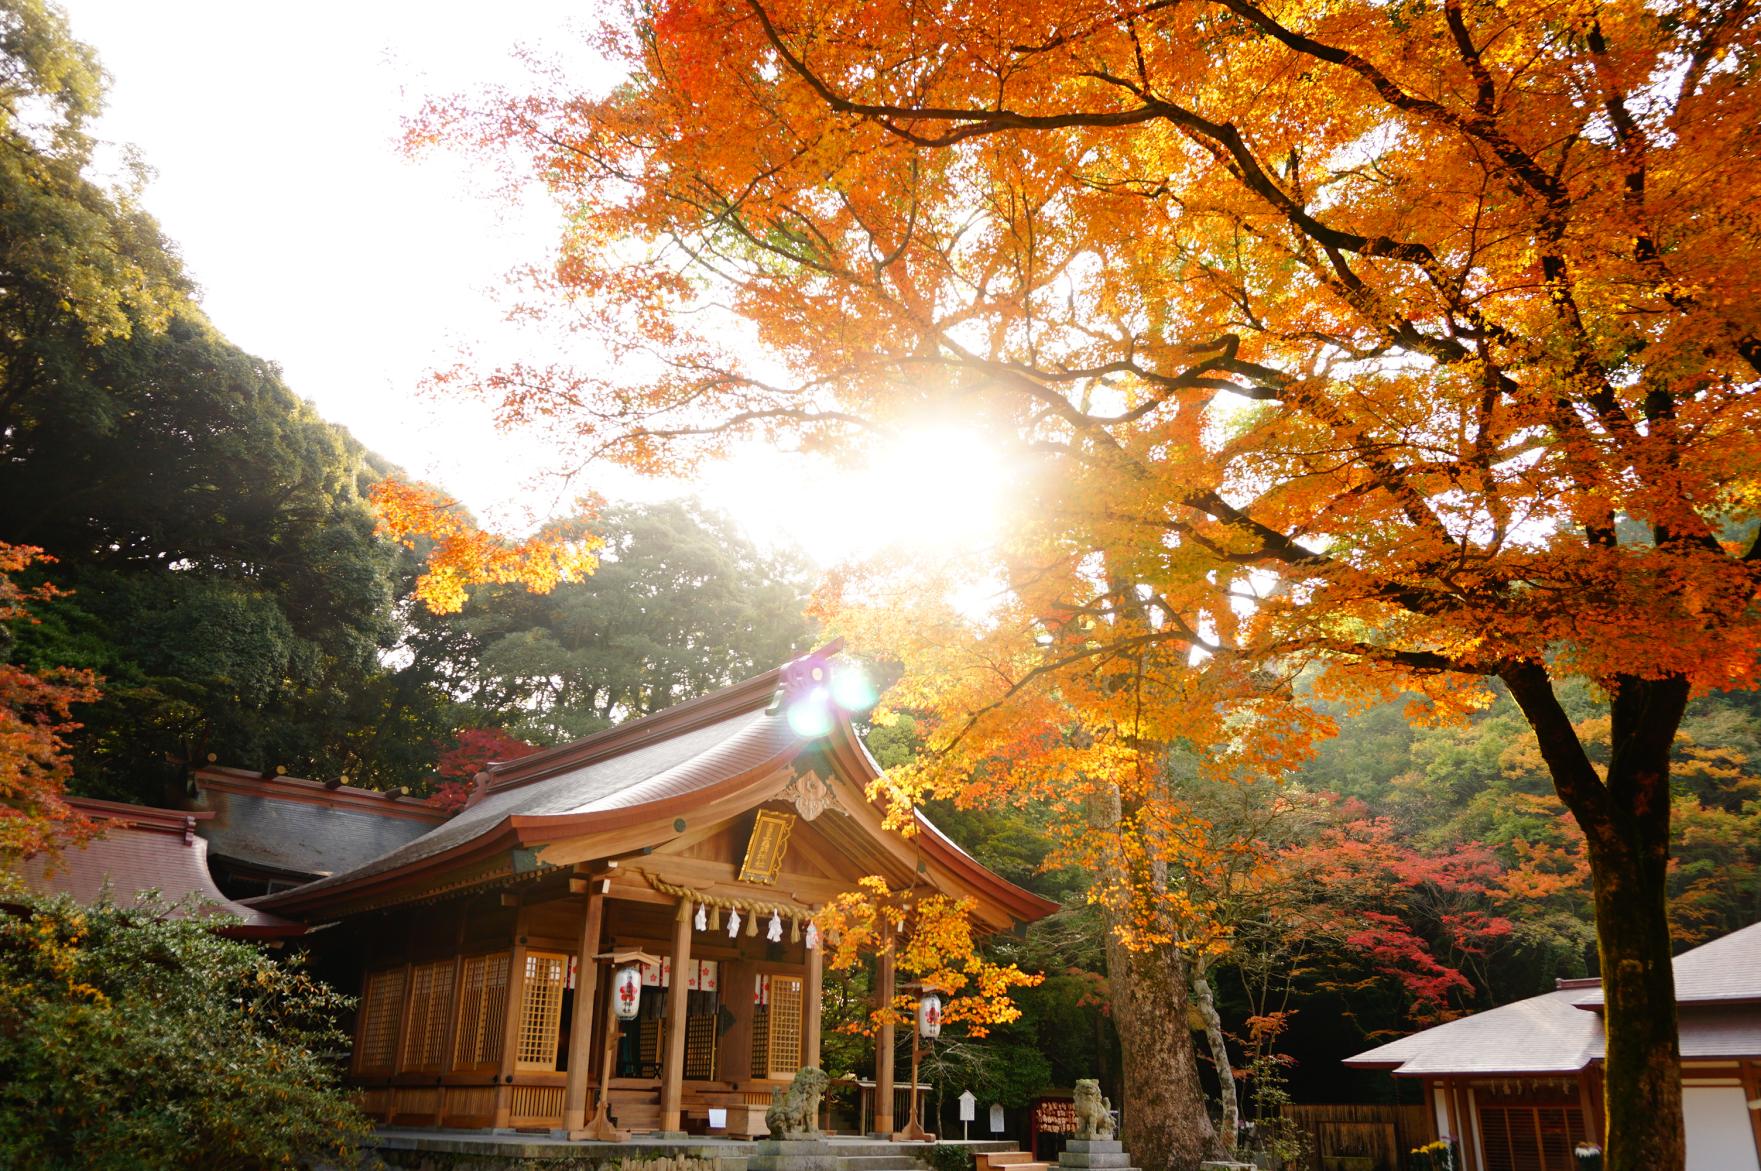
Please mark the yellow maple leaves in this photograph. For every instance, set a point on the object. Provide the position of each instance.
(930, 936)
(460, 555)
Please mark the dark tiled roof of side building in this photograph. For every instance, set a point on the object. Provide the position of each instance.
(302, 828)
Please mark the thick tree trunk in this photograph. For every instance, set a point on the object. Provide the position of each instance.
(1166, 1119)
(1642, 1077)
(1205, 1002)
(1625, 820)
(1166, 1125)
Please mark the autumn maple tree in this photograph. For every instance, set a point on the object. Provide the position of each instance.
(1413, 346)
(36, 717)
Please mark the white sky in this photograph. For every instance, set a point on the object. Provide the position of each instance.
(272, 130)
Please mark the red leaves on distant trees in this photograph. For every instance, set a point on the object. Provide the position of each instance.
(36, 715)
(1422, 920)
(473, 749)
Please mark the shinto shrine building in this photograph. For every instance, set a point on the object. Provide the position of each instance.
(699, 840)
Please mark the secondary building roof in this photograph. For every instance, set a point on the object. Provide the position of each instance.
(300, 828)
(1560, 1032)
(1724, 971)
(142, 849)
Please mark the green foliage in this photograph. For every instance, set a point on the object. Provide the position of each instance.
(681, 604)
(948, 1157)
(136, 1040)
(227, 580)
(230, 588)
(79, 262)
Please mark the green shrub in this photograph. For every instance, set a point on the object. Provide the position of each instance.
(129, 1039)
(946, 1157)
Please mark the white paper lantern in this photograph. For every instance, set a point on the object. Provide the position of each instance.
(929, 1016)
(626, 992)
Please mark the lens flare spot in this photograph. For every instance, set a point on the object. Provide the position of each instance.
(811, 715)
(852, 691)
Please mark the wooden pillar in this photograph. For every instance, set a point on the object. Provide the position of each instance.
(672, 1070)
(581, 1019)
(810, 1007)
(510, 1037)
(883, 1043)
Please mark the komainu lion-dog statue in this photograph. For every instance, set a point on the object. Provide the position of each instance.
(1094, 1114)
(794, 1113)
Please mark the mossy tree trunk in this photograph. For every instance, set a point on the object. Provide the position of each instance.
(1624, 814)
(1166, 1116)
(1205, 1001)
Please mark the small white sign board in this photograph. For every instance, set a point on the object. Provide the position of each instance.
(996, 1118)
(718, 1118)
(968, 1102)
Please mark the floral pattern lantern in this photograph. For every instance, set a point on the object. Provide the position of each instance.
(929, 1016)
(626, 992)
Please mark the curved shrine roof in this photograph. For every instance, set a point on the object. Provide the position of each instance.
(303, 828)
(672, 761)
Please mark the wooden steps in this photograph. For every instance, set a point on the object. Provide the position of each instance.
(1008, 1161)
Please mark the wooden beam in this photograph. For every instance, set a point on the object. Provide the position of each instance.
(510, 1037)
(810, 1009)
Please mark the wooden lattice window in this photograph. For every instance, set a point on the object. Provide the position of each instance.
(785, 1025)
(700, 1048)
(541, 1008)
(649, 1035)
(1530, 1138)
(483, 998)
(382, 1006)
(760, 1040)
(426, 1034)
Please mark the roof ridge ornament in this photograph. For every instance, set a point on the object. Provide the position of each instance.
(812, 795)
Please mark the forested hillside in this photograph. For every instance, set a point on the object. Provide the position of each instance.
(1408, 873)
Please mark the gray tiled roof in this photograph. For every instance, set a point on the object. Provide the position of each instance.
(1718, 985)
(1546, 1034)
(1727, 970)
(299, 837)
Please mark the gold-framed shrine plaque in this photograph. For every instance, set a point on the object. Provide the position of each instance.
(766, 847)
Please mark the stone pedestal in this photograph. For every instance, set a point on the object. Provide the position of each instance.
(792, 1154)
(1095, 1154)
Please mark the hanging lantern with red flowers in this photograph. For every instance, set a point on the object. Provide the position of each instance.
(626, 992)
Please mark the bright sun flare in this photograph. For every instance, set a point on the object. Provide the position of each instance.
(930, 491)
(934, 490)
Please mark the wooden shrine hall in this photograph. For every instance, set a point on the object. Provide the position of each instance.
(698, 842)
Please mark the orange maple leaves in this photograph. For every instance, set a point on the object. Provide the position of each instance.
(36, 716)
(461, 555)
